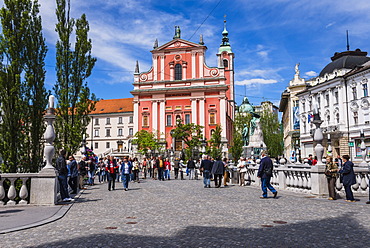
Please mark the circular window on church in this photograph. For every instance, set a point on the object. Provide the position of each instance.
(177, 57)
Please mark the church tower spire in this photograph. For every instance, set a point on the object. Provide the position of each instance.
(137, 67)
(225, 45)
(155, 44)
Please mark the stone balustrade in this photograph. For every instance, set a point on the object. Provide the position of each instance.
(300, 178)
(36, 193)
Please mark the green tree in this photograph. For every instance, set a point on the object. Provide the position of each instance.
(21, 85)
(272, 133)
(240, 120)
(190, 134)
(145, 141)
(73, 68)
(215, 149)
(35, 92)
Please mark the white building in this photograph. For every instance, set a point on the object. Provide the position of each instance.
(111, 127)
(340, 94)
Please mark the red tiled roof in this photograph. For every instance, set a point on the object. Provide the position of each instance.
(114, 106)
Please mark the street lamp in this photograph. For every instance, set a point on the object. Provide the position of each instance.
(330, 149)
(363, 148)
(83, 148)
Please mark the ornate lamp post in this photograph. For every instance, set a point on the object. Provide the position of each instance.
(363, 149)
(330, 149)
(83, 148)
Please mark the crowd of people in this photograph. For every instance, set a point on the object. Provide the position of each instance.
(75, 175)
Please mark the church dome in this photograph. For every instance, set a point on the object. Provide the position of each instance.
(347, 59)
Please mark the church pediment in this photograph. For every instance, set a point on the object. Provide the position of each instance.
(178, 44)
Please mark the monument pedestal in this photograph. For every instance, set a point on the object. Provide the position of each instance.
(44, 188)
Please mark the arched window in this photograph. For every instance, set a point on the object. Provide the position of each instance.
(337, 118)
(178, 72)
(226, 63)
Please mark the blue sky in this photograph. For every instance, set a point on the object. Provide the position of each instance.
(268, 38)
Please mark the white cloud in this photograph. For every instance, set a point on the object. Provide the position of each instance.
(255, 81)
(263, 54)
(330, 24)
(311, 74)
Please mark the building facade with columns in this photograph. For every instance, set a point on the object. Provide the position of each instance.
(180, 85)
(340, 95)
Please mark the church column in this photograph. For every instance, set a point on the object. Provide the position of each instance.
(201, 62)
(162, 116)
(193, 70)
(154, 116)
(155, 67)
(201, 114)
(162, 67)
(172, 71)
(342, 104)
(136, 116)
(184, 67)
(223, 116)
(194, 110)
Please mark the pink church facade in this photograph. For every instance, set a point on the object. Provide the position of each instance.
(180, 85)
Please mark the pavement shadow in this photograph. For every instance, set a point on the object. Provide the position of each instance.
(343, 231)
(10, 211)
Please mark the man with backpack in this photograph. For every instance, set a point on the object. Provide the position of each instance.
(265, 173)
(61, 166)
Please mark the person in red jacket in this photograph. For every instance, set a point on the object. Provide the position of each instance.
(111, 168)
(167, 170)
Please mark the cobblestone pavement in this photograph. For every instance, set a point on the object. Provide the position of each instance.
(179, 213)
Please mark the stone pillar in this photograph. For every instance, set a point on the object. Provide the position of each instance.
(201, 114)
(194, 110)
(162, 67)
(162, 114)
(193, 64)
(172, 71)
(201, 62)
(154, 116)
(155, 67)
(44, 188)
(223, 116)
(184, 69)
(136, 116)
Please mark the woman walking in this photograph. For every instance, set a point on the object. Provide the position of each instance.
(331, 175)
(242, 168)
(348, 178)
(135, 170)
(126, 168)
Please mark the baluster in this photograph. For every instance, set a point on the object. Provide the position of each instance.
(295, 181)
(12, 193)
(356, 186)
(309, 181)
(2, 191)
(304, 182)
(363, 184)
(287, 179)
(300, 181)
(23, 193)
(338, 184)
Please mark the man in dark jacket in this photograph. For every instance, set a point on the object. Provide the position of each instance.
(160, 165)
(265, 173)
(348, 178)
(176, 167)
(191, 168)
(61, 166)
(218, 169)
(72, 174)
(206, 168)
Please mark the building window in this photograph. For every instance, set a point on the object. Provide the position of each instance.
(145, 121)
(318, 102)
(120, 133)
(168, 120)
(212, 132)
(212, 118)
(354, 93)
(96, 146)
(108, 121)
(178, 72)
(119, 120)
(364, 87)
(355, 117)
(328, 118)
(187, 118)
(336, 97)
(130, 131)
(107, 145)
(226, 63)
(337, 117)
(131, 119)
(107, 133)
(327, 99)
(96, 133)
(96, 121)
